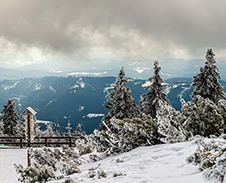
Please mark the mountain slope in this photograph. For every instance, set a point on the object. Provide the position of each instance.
(156, 164)
(79, 99)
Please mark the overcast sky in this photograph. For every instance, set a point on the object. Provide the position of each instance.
(36, 31)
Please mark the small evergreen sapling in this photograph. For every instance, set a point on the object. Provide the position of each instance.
(78, 132)
(49, 132)
(68, 129)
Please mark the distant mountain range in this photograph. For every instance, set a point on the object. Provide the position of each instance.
(140, 69)
(79, 99)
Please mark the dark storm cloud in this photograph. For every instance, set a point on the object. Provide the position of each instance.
(131, 26)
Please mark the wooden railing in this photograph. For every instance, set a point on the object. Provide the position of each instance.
(37, 141)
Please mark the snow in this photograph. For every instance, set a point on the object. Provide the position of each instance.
(9, 157)
(167, 89)
(141, 69)
(50, 102)
(9, 87)
(87, 73)
(156, 164)
(180, 95)
(108, 88)
(166, 74)
(81, 83)
(51, 88)
(74, 87)
(146, 84)
(164, 163)
(43, 122)
(55, 70)
(81, 108)
(91, 115)
(38, 86)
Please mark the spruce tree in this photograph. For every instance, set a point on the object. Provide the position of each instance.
(121, 103)
(130, 133)
(155, 96)
(68, 129)
(170, 126)
(143, 107)
(203, 117)
(11, 119)
(49, 132)
(78, 132)
(206, 82)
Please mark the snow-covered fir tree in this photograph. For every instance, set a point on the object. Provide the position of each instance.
(69, 129)
(126, 135)
(155, 94)
(206, 82)
(121, 103)
(78, 132)
(49, 132)
(170, 125)
(203, 116)
(12, 125)
(38, 132)
(143, 106)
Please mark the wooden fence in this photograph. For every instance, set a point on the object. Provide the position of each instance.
(37, 141)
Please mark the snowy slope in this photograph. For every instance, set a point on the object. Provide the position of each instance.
(156, 164)
(8, 158)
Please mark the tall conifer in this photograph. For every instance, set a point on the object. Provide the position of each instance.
(155, 96)
(121, 103)
(206, 82)
(11, 119)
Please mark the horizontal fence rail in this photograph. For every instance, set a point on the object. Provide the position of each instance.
(21, 141)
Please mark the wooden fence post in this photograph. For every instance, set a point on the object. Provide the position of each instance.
(46, 142)
(70, 144)
(21, 142)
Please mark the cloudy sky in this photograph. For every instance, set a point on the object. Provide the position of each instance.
(96, 31)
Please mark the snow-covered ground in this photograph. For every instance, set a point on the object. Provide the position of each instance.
(155, 164)
(8, 157)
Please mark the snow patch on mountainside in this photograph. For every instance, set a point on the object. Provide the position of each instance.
(50, 102)
(109, 87)
(167, 89)
(87, 73)
(52, 89)
(81, 83)
(180, 95)
(91, 115)
(12, 86)
(141, 69)
(146, 84)
(38, 86)
(81, 108)
(166, 74)
(74, 87)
